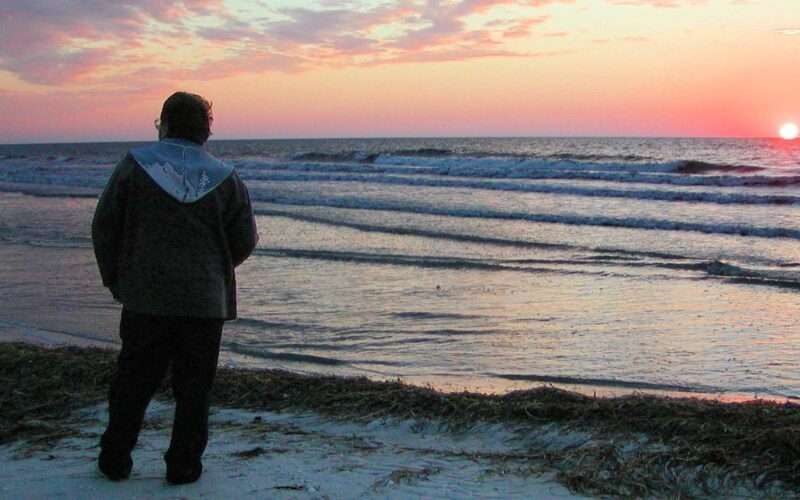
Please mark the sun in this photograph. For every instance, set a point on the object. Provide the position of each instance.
(789, 131)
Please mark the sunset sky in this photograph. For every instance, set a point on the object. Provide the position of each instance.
(73, 70)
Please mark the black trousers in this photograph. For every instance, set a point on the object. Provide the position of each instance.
(150, 344)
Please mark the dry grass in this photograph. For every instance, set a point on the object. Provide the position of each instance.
(686, 447)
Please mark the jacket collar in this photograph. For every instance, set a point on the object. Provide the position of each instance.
(183, 169)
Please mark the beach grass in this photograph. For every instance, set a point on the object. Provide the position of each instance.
(641, 445)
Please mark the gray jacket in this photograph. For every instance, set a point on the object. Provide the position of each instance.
(164, 256)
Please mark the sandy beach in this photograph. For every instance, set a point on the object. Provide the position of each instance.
(287, 455)
(281, 435)
(292, 454)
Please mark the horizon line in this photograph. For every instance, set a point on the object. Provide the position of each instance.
(402, 137)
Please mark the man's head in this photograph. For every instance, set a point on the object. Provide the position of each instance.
(186, 116)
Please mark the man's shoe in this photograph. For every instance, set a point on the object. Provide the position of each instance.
(184, 473)
(115, 467)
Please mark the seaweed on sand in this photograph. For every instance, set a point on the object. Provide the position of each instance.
(682, 441)
(40, 388)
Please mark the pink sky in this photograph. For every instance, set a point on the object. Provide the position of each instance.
(96, 70)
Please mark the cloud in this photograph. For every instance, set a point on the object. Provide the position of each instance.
(102, 43)
(517, 28)
(658, 3)
(444, 23)
(49, 42)
(54, 68)
(396, 32)
(675, 3)
(788, 31)
(27, 25)
(464, 54)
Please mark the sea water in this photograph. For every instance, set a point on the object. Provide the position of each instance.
(481, 263)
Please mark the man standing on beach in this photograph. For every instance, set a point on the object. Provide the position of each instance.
(169, 229)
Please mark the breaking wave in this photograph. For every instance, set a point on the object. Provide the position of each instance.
(572, 190)
(644, 223)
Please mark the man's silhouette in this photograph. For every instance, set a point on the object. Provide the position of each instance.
(169, 229)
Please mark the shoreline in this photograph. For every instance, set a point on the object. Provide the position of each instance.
(18, 332)
(634, 445)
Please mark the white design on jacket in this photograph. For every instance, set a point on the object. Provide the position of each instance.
(183, 169)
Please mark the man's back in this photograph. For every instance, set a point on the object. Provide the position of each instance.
(165, 257)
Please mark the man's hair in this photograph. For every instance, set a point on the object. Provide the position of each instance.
(187, 116)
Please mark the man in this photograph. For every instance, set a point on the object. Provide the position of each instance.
(168, 231)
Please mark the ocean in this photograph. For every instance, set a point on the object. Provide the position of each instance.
(490, 264)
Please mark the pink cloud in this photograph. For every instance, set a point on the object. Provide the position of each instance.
(41, 40)
(54, 68)
(522, 27)
(44, 42)
(461, 54)
(658, 3)
(429, 31)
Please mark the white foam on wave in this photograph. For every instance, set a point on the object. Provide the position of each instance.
(573, 190)
(493, 168)
(461, 171)
(565, 219)
(501, 166)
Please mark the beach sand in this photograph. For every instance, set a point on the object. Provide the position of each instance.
(284, 455)
(281, 435)
(277, 455)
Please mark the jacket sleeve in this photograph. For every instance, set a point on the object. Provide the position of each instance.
(241, 226)
(108, 221)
